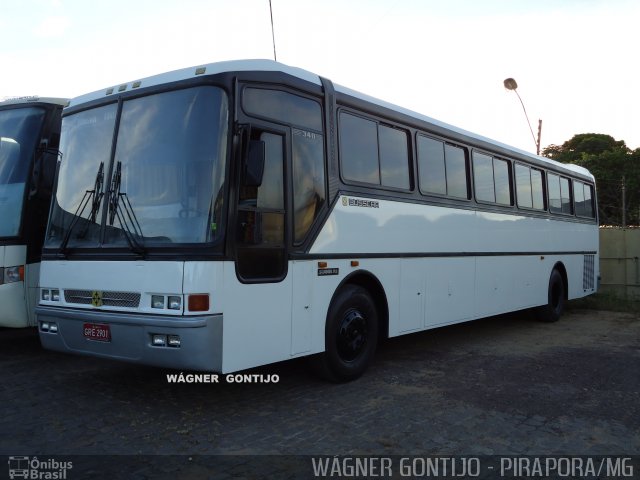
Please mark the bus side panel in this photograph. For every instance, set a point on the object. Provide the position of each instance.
(303, 274)
(509, 283)
(257, 321)
(450, 290)
(13, 309)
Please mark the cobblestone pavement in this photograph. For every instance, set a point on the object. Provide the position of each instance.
(502, 385)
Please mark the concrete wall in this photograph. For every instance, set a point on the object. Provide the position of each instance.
(620, 261)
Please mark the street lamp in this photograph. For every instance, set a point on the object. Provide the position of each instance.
(511, 84)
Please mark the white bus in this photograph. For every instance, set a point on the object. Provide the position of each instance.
(29, 137)
(241, 213)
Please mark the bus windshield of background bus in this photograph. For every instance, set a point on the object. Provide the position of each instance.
(19, 132)
(169, 162)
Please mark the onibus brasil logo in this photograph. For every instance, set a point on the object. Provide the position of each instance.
(32, 468)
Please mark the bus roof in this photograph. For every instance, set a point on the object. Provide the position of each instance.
(35, 99)
(273, 66)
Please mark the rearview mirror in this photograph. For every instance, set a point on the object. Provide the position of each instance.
(44, 171)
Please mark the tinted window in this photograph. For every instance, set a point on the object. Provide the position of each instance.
(359, 149)
(555, 205)
(260, 227)
(456, 163)
(565, 194)
(483, 177)
(394, 157)
(536, 189)
(431, 166)
(270, 192)
(523, 186)
(19, 135)
(578, 197)
(583, 197)
(588, 201)
(503, 186)
(283, 107)
(373, 153)
(308, 180)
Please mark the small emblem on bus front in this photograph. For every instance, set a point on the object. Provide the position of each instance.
(96, 298)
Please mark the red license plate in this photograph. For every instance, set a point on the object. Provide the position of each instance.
(97, 331)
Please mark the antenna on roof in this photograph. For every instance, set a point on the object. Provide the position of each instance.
(273, 35)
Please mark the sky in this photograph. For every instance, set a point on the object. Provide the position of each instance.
(575, 61)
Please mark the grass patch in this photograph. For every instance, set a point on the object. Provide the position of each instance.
(606, 301)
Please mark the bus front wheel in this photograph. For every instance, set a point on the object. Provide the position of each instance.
(552, 311)
(351, 335)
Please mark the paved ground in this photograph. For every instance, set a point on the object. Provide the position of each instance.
(503, 385)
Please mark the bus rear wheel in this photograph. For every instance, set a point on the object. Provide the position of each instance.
(552, 311)
(351, 335)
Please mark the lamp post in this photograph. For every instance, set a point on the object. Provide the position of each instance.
(511, 84)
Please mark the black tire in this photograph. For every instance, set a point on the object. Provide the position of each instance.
(552, 311)
(351, 335)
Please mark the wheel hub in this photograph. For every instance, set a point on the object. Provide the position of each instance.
(352, 335)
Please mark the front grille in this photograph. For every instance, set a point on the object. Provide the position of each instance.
(588, 272)
(109, 299)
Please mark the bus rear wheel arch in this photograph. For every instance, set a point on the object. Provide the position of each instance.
(351, 334)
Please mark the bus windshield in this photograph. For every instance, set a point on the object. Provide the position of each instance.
(19, 132)
(162, 181)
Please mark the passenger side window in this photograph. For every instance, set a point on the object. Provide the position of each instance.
(589, 207)
(582, 194)
(503, 184)
(523, 186)
(555, 206)
(442, 168)
(559, 194)
(483, 177)
(565, 194)
(529, 192)
(537, 191)
(394, 157)
(359, 149)
(431, 170)
(492, 179)
(373, 153)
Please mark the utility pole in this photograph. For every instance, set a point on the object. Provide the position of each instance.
(539, 134)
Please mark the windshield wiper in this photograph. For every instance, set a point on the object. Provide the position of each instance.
(123, 211)
(94, 196)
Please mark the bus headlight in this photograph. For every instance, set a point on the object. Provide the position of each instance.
(50, 294)
(175, 302)
(14, 274)
(157, 301)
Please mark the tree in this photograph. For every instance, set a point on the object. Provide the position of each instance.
(611, 162)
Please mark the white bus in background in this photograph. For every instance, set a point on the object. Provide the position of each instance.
(29, 138)
(241, 213)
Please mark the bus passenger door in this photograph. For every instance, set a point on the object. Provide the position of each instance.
(257, 311)
(260, 227)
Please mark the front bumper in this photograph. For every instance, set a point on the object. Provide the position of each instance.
(200, 337)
